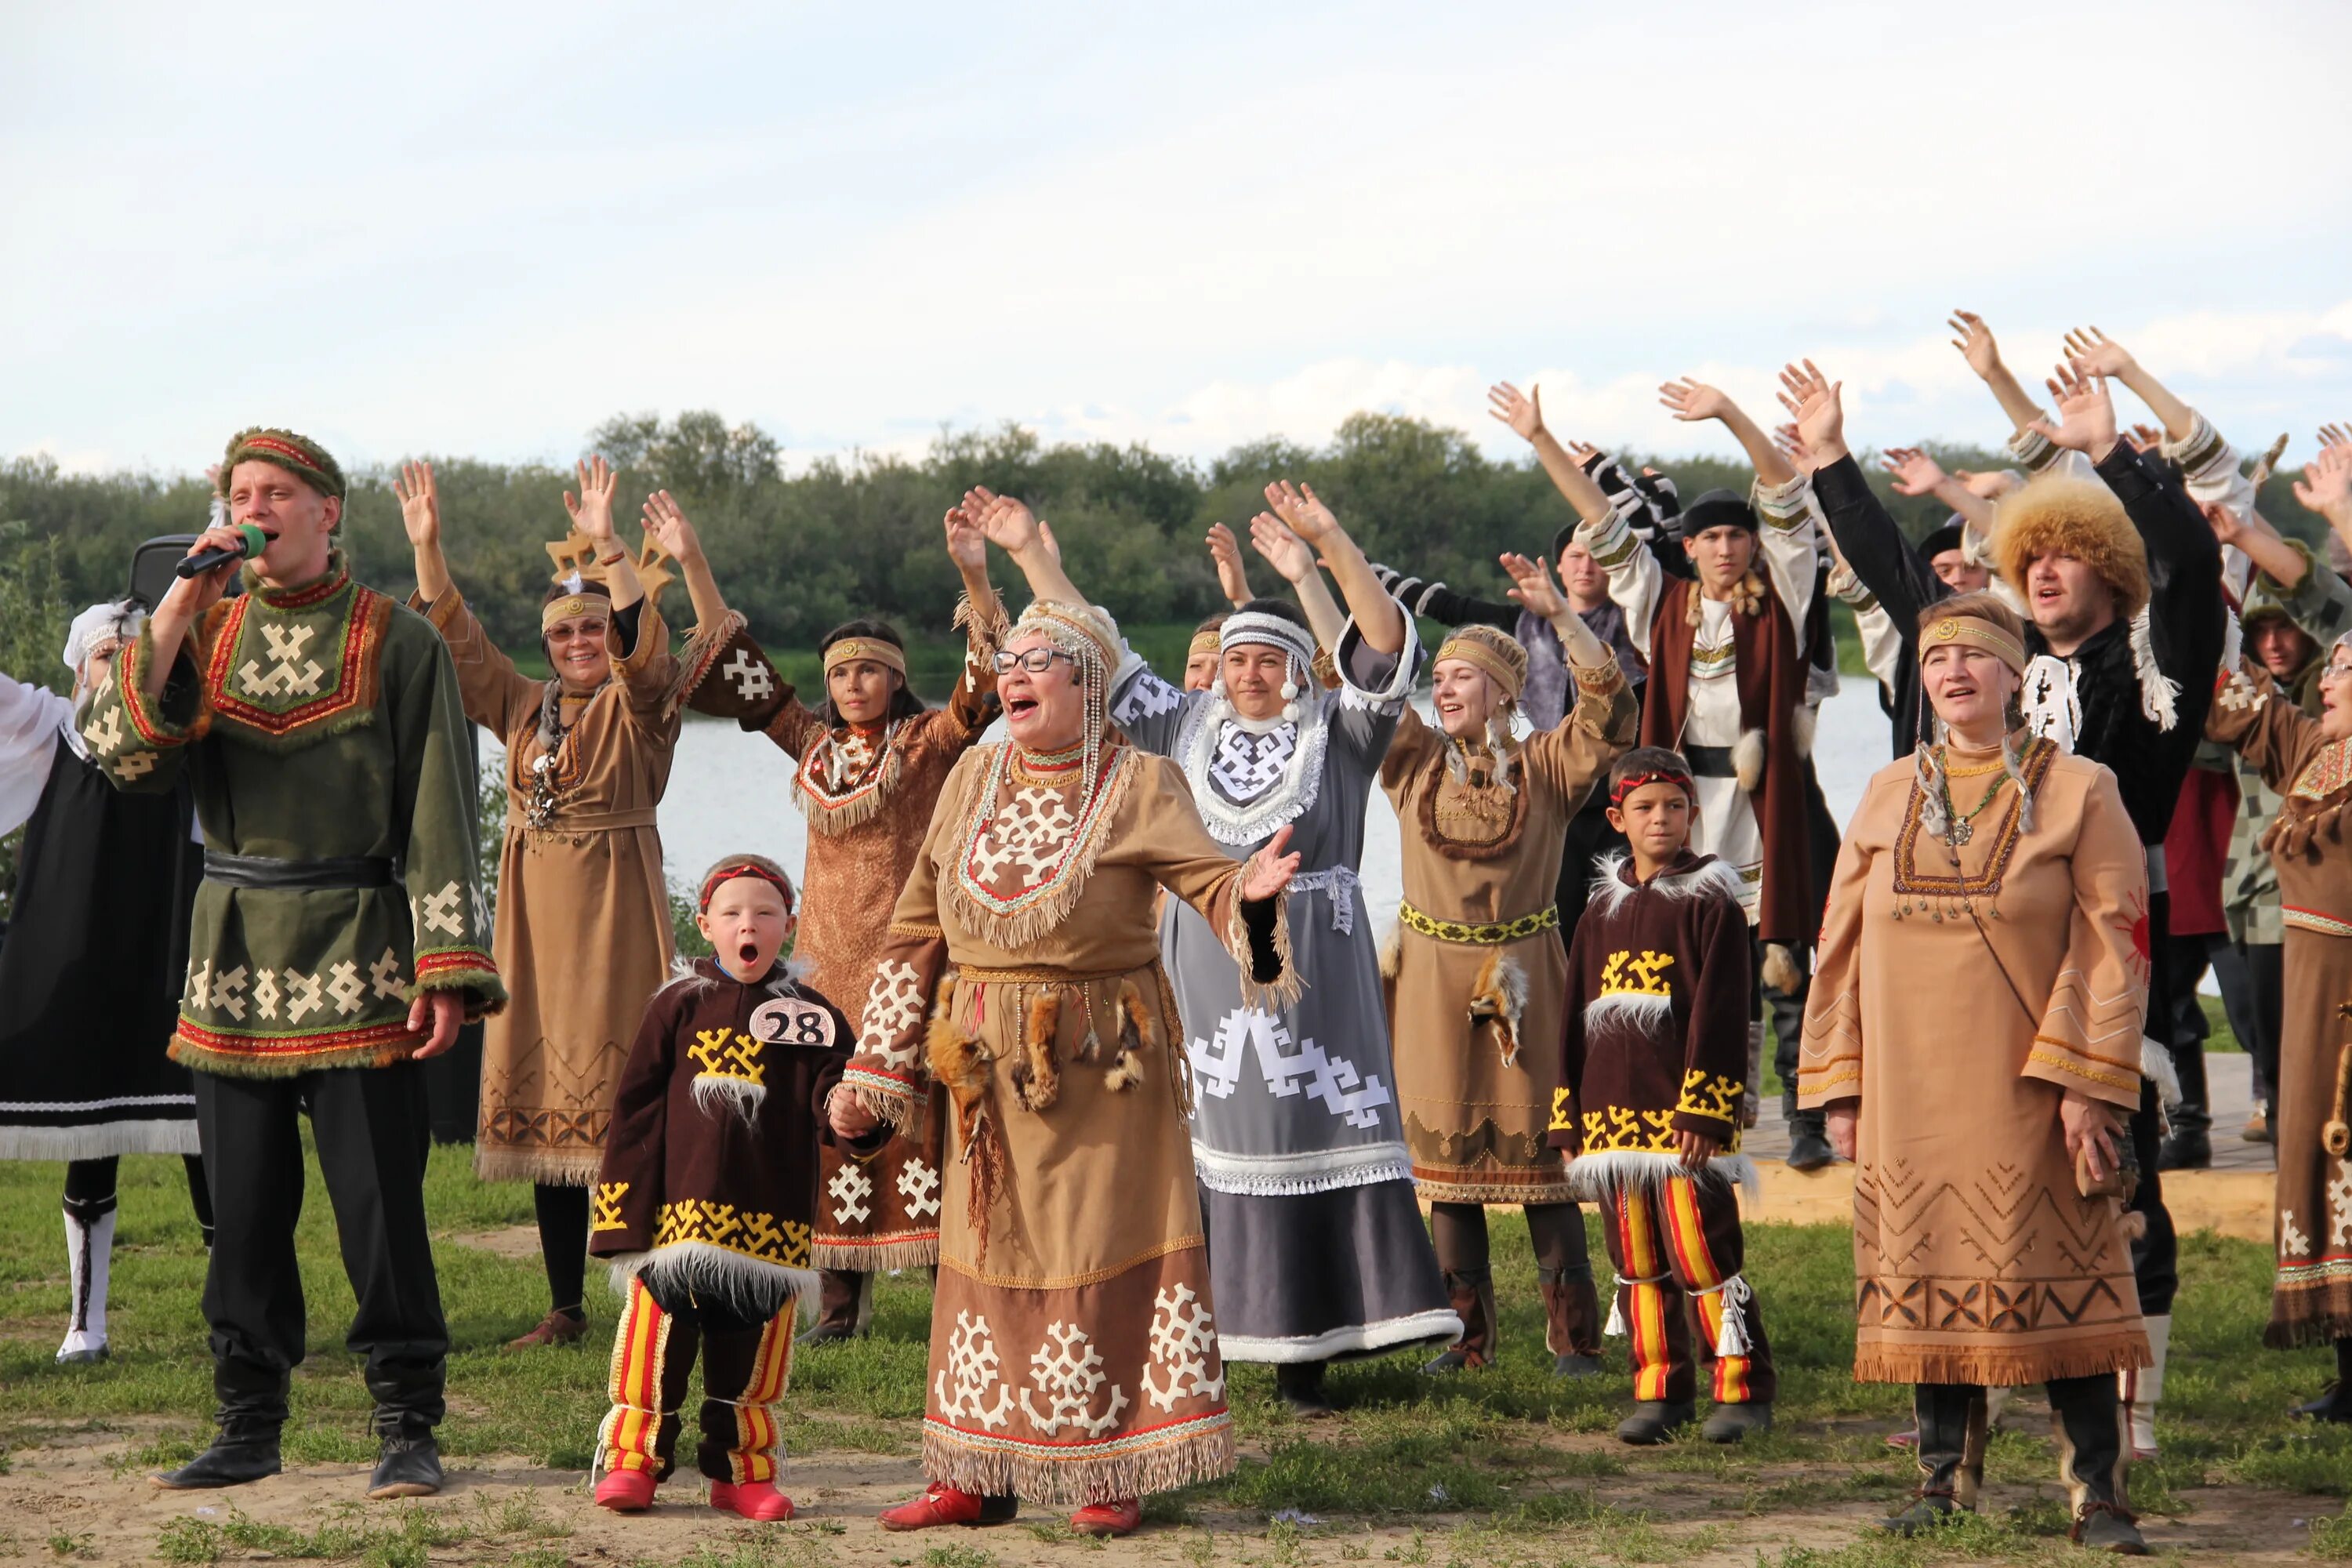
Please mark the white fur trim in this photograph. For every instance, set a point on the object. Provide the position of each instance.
(1716, 879)
(2157, 692)
(716, 1094)
(1645, 1012)
(1807, 720)
(2155, 1066)
(1748, 759)
(707, 1270)
(1289, 1175)
(1594, 1176)
(164, 1135)
(1441, 1324)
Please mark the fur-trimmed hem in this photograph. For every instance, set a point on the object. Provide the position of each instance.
(1072, 1475)
(469, 970)
(751, 1285)
(1593, 1177)
(103, 1140)
(883, 1255)
(542, 1167)
(283, 1063)
(1443, 1326)
(1521, 1188)
(1997, 1366)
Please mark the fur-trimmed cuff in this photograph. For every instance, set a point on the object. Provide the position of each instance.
(153, 728)
(465, 969)
(1257, 934)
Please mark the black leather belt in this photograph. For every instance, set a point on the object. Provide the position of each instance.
(1711, 762)
(261, 871)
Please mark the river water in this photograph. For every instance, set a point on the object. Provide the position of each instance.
(728, 794)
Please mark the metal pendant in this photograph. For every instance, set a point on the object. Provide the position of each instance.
(1962, 831)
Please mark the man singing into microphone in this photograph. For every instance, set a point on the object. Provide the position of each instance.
(339, 937)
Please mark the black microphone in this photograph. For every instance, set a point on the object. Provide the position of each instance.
(219, 555)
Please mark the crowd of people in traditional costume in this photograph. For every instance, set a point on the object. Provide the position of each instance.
(1080, 1003)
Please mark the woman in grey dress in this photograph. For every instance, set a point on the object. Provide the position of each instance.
(1317, 1248)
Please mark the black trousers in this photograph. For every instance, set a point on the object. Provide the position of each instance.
(2178, 1021)
(372, 1129)
(2156, 1256)
(2253, 993)
(1788, 1007)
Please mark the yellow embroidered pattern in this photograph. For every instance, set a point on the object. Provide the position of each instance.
(719, 1058)
(1813, 1080)
(1626, 975)
(2113, 1077)
(1618, 1127)
(1709, 1094)
(1563, 1112)
(747, 1232)
(607, 1201)
(1487, 933)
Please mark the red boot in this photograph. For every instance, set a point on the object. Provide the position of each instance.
(757, 1500)
(626, 1492)
(1118, 1517)
(942, 1504)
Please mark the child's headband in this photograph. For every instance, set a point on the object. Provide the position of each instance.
(1631, 781)
(743, 869)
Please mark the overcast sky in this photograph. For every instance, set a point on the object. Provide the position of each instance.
(485, 228)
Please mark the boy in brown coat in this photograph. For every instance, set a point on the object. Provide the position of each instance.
(1653, 1051)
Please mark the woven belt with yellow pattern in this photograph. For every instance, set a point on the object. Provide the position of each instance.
(1485, 933)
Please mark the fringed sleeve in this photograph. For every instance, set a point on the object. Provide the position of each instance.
(972, 705)
(2089, 1036)
(1178, 853)
(433, 796)
(141, 741)
(2254, 718)
(889, 1073)
(1829, 1065)
(498, 696)
(1602, 724)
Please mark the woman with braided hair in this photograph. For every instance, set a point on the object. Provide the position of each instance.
(583, 928)
(1479, 970)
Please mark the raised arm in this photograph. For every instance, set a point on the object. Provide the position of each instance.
(2095, 353)
(1290, 556)
(1523, 412)
(981, 616)
(1694, 402)
(2281, 562)
(1915, 473)
(1975, 341)
(591, 514)
(1013, 528)
(497, 695)
(666, 523)
(2326, 487)
(1225, 551)
(1377, 617)
(1439, 602)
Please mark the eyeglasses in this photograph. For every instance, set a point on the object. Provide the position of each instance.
(2336, 670)
(1036, 661)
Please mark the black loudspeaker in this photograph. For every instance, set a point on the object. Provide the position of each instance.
(153, 564)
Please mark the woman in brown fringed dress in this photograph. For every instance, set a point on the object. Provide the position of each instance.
(2308, 760)
(1974, 1036)
(584, 930)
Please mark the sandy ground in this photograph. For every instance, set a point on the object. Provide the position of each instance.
(74, 1490)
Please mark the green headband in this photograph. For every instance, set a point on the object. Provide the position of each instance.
(298, 455)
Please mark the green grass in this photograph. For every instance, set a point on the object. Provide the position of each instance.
(1508, 1464)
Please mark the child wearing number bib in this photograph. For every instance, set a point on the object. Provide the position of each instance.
(707, 1195)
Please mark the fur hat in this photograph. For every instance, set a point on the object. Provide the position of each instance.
(2085, 520)
(298, 455)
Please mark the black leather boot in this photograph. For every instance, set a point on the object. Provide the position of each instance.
(2086, 1416)
(1809, 1141)
(1299, 1386)
(409, 1465)
(246, 1450)
(1951, 1456)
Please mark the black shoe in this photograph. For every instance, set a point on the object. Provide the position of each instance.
(233, 1461)
(1654, 1422)
(1300, 1387)
(410, 1466)
(1572, 1365)
(1730, 1422)
(2103, 1527)
(1928, 1511)
(2334, 1405)
(2185, 1150)
(1809, 1148)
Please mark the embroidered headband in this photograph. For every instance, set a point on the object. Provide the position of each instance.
(569, 606)
(875, 648)
(1499, 653)
(729, 870)
(1203, 642)
(298, 455)
(1982, 633)
(1247, 629)
(1631, 781)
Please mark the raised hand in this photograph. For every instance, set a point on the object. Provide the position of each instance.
(1975, 342)
(2335, 435)
(1817, 404)
(2147, 438)
(1582, 453)
(1047, 542)
(967, 546)
(591, 508)
(2086, 412)
(1300, 508)
(2227, 525)
(420, 505)
(1692, 401)
(1284, 551)
(1523, 412)
(2326, 483)
(1915, 473)
(2095, 353)
(1534, 589)
(1269, 870)
(666, 521)
(1009, 525)
(1226, 551)
(1792, 447)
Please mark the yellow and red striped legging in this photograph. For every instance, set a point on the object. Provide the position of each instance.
(1685, 1234)
(747, 1363)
